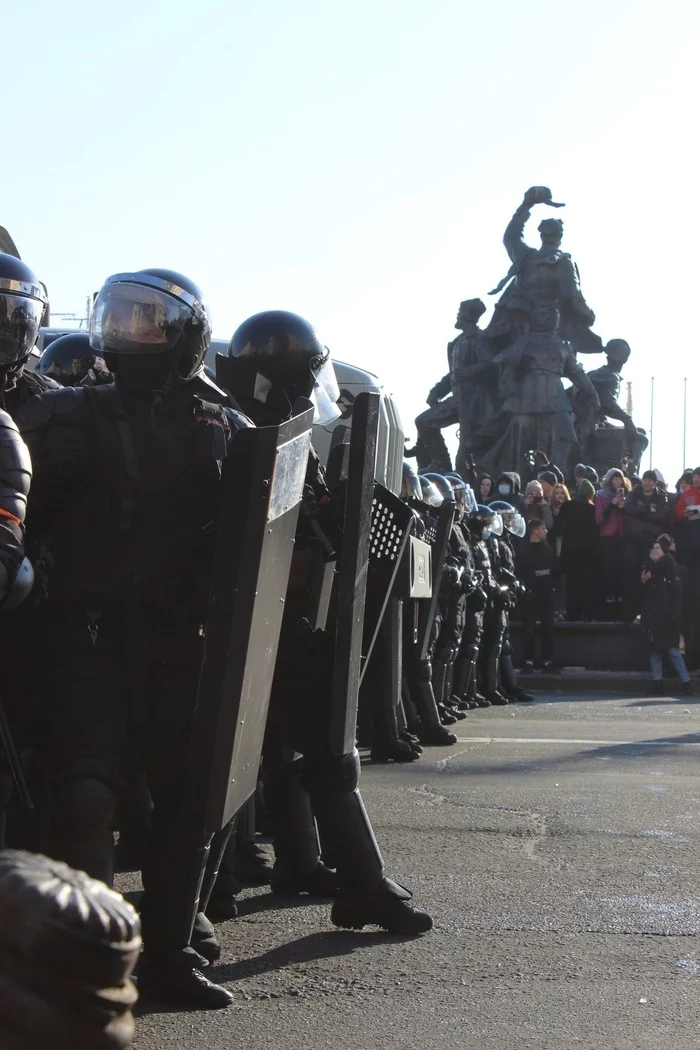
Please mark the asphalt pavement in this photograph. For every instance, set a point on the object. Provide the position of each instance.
(556, 846)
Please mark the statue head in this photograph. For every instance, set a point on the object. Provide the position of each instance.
(544, 317)
(617, 352)
(470, 310)
(551, 232)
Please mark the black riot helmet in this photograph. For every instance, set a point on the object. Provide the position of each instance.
(464, 496)
(410, 485)
(71, 361)
(152, 326)
(512, 519)
(274, 358)
(443, 486)
(485, 521)
(23, 301)
(430, 493)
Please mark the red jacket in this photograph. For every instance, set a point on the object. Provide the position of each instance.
(689, 498)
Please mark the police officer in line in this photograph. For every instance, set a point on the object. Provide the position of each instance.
(23, 301)
(496, 612)
(71, 361)
(504, 563)
(420, 701)
(274, 358)
(127, 489)
(472, 676)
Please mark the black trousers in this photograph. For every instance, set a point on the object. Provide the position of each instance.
(123, 686)
(538, 607)
(612, 564)
(581, 588)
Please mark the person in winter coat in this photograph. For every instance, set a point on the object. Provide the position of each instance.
(689, 499)
(485, 488)
(578, 559)
(537, 572)
(508, 490)
(646, 509)
(661, 617)
(686, 527)
(536, 505)
(612, 526)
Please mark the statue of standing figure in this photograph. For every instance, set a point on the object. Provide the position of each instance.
(536, 412)
(540, 275)
(504, 385)
(465, 395)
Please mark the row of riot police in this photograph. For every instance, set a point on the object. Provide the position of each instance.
(176, 630)
(462, 659)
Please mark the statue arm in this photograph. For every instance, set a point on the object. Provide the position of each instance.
(441, 389)
(513, 238)
(574, 372)
(613, 410)
(570, 286)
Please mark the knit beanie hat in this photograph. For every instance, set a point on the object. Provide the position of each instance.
(585, 488)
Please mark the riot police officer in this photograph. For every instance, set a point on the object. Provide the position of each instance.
(22, 304)
(71, 361)
(274, 358)
(471, 681)
(420, 700)
(496, 611)
(514, 526)
(459, 584)
(127, 490)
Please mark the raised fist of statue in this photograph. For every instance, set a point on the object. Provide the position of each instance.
(539, 195)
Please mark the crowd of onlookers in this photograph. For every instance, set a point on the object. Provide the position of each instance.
(625, 546)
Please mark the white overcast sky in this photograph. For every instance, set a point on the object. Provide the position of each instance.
(358, 162)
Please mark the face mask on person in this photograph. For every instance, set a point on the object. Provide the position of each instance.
(504, 489)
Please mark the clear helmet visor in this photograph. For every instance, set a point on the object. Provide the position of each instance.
(410, 487)
(430, 493)
(470, 502)
(325, 394)
(131, 318)
(495, 527)
(464, 496)
(518, 525)
(20, 320)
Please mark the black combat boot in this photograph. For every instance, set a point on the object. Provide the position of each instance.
(509, 682)
(204, 940)
(182, 982)
(366, 897)
(170, 968)
(432, 732)
(321, 882)
(412, 740)
(386, 906)
(393, 751)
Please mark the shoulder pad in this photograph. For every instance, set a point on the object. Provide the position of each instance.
(38, 410)
(37, 383)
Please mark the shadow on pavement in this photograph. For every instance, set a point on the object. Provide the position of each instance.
(670, 745)
(327, 944)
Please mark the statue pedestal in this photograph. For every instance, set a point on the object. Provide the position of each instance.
(593, 646)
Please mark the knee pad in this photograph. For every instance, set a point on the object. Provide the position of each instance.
(85, 806)
(332, 772)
